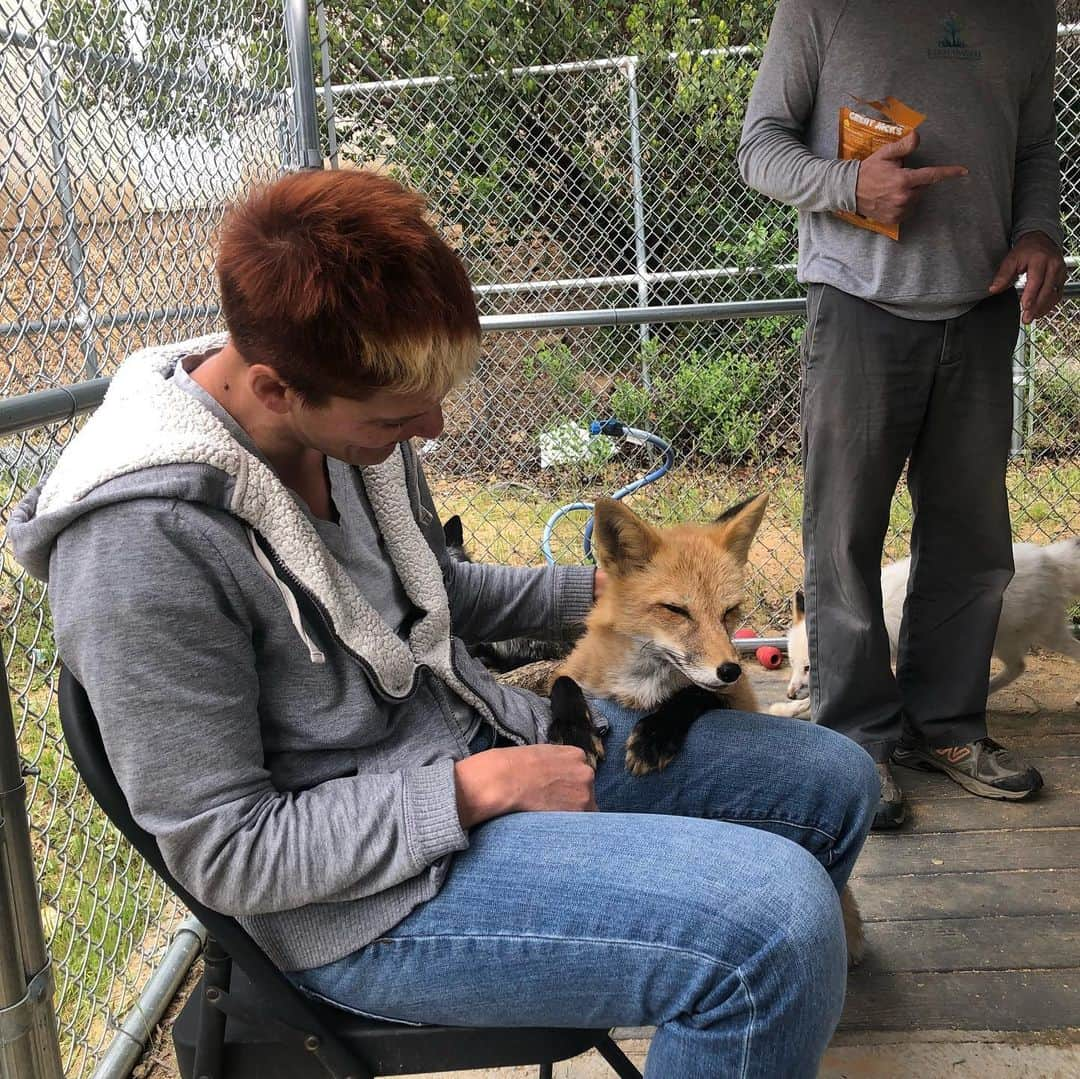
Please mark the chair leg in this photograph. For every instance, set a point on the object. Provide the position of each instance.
(619, 1062)
(210, 1048)
(544, 1072)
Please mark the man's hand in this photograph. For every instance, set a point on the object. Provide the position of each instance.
(1040, 258)
(886, 191)
(523, 778)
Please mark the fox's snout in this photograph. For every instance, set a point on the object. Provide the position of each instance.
(728, 673)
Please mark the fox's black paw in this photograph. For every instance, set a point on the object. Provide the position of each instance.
(571, 721)
(594, 752)
(651, 749)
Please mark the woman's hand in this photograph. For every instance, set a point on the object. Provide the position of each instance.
(523, 779)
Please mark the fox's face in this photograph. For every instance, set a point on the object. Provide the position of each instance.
(798, 649)
(675, 592)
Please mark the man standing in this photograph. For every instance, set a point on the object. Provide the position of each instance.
(907, 354)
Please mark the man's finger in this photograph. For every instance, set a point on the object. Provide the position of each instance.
(934, 174)
(1007, 273)
(893, 151)
(1048, 296)
(1036, 276)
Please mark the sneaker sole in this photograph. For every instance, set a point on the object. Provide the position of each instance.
(973, 786)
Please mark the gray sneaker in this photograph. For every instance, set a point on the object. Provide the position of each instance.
(983, 767)
(890, 807)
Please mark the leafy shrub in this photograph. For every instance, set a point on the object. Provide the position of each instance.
(631, 403)
(718, 403)
(558, 364)
(710, 406)
(1055, 402)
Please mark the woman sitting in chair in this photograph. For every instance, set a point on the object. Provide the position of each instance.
(248, 575)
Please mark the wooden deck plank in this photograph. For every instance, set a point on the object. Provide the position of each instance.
(957, 895)
(973, 907)
(1024, 942)
(962, 1000)
(965, 852)
(1051, 809)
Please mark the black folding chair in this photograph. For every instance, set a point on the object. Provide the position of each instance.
(249, 1021)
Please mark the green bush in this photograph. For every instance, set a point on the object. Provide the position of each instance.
(557, 363)
(718, 403)
(714, 407)
(1055, 402)
(631, 403)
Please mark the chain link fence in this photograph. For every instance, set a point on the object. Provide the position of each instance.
(579, 158)
(588, 161)
(125, 128)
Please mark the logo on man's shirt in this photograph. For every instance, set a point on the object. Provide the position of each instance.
(951, 45)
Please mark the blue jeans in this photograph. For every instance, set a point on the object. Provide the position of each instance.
(701, 899)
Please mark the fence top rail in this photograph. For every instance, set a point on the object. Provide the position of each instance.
(55, 405)
(32, 42)
(62, 403)
(622, 63)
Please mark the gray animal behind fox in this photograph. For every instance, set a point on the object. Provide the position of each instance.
(503, 656)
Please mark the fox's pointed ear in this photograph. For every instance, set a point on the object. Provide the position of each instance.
(624, 542)
(738, 525)
(453, 532)
(798, 606)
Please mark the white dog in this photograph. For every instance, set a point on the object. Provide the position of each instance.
(1045, 585)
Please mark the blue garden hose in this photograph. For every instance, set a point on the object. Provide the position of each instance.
(613, 429)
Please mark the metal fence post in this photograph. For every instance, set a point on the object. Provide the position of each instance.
(29, 1044)
(302, 73)
(641, 259)
(74, 252)
(328, 90)
(1021, 379)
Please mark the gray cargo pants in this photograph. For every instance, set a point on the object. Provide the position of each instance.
(877, 391)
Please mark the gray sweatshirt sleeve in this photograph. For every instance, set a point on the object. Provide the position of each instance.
(497, 603)
(168, 662)
(773, 157)
(1037, 182)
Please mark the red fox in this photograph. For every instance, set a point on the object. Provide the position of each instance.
(660, 639)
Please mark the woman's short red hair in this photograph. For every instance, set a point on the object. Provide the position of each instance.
(337, 281)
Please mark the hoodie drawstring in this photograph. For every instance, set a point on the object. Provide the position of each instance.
(291, 606)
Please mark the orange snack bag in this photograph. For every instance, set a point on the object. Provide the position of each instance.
(860, 136)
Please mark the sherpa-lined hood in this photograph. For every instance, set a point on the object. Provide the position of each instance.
(152, 439)
(309, 791)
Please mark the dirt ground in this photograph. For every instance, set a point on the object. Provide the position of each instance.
(1050, 685)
